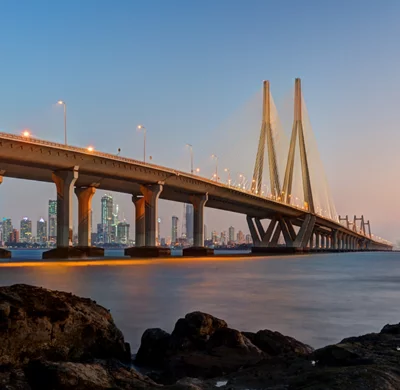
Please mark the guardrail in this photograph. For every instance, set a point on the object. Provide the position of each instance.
(36, 141)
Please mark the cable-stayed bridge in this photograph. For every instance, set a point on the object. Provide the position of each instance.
(295, 204)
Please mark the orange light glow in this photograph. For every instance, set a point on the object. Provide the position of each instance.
(26, 133)
(90, 148)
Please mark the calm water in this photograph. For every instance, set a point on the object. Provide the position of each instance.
(318, 299)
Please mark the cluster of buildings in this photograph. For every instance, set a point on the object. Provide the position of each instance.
(223, 239)
(111, 231)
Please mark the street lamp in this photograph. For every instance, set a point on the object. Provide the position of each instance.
(26, 133)
(191, 158)
(197, 170)
(229, 176)
(216, 166)
(141, 127)
(61, 102)
(90, 148)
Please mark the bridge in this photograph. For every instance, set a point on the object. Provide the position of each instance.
(291, 227)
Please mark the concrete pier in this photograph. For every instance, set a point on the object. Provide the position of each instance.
(198, 248)
(85, 195)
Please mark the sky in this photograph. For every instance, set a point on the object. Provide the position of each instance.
(186, 70)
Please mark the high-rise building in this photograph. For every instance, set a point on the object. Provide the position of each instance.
(248, 239)
(231, 234)
(205, 232)
(41, 230)
(189, 221)
(107, 218)
(123, 232)
(14, 236)
(174, 230)
(7, 229)
(214, 237)
(223, 238)
(240, 237)
(1, 232)
(52, 221)
(100, 236)
(26, 230)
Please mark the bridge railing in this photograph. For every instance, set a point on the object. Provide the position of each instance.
(37, 141)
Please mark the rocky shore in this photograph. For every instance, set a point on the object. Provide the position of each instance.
(55, 340)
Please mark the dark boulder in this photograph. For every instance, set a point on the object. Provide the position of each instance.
(193, 331)
(153, 347)
(275, 343)
(40, 323)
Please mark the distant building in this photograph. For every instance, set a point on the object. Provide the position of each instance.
(240, 237)
(123, 233)
(174, 230)
(231, 234)
(214, 237)
(7, 229)
(248, 239)
(41, 230)
(107, 218)
(52, 220)
(14, 236)
(26, 230)
(205, 232)
(189, 221)
(99, 234)
(159, 231)
(223, 238)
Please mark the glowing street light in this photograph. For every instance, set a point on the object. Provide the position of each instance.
(61, 102)
(191, 157)
(141, 127)
(215, 157)
(229, 176)
(26, 133)
(197, 170)
(90, 148)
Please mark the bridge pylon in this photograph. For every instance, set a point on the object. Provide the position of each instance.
(298, 132)
(266, 137)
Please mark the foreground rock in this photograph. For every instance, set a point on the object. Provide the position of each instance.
(56, 340)
(204, 346)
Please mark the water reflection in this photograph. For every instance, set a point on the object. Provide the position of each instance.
(318, 299)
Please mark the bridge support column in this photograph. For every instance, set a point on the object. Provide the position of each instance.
(85, 196)
(138, 201)
(317, 236)
(322, 241)
(334, 239)
(4, 253)
(150, 193)
(312, 241)
(198, 248)
(64, 181)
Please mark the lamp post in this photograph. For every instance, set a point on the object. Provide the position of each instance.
(191, 158)
(141, 127)
(229, 176)
(216, 166)
(62, 102)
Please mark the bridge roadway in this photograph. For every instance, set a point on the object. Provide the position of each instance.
(39, 160)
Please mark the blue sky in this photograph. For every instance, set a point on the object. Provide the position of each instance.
(183, 68)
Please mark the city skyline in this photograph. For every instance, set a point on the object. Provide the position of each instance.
(113, 94)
